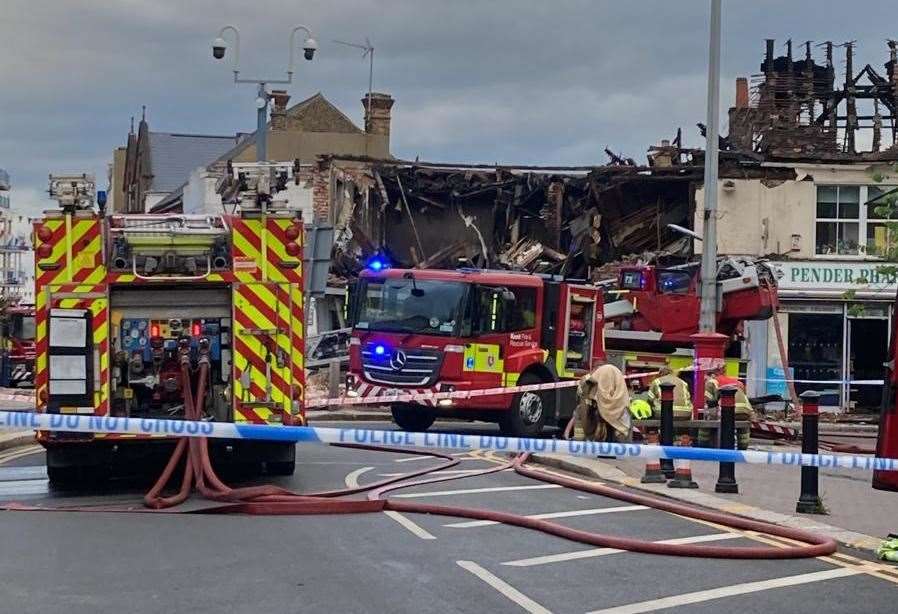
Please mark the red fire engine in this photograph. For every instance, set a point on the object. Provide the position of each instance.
(18, 333)
(123, 300)
(659, 307)
(444, 331)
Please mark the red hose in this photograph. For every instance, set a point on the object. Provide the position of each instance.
(271, 500)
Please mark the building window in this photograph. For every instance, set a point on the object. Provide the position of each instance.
(838, 220)
(881, 240)
(851, 222)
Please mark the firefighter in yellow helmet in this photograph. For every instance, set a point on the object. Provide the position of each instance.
(682, 408)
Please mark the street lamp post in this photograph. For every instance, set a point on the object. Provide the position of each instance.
(219, 47)
(708, 322)
(708, 343)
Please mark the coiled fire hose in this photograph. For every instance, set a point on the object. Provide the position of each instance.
(272, 500)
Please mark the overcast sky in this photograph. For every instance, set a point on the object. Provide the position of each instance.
(526, 82)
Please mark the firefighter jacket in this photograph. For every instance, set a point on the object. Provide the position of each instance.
(682, 406)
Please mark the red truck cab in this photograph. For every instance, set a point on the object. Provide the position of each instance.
(19, 330)
(416, 331)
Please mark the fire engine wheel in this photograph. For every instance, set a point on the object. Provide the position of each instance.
(411, 417)
(527, 414)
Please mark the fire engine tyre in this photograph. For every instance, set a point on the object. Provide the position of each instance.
(409, 417)
(283, 467)
(527, 414)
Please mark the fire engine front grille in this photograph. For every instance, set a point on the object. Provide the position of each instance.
(400, 367)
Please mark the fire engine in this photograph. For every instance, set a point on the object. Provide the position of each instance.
(18, 335)
(420, 330)
(446, 331)
(117, 295)
(656, 307)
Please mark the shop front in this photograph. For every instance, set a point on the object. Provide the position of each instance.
(835, 318)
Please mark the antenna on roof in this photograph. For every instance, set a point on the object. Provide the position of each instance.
(132, 126)
(367, 49)
(143, 112)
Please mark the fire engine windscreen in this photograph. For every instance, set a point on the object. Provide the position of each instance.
(412, 306)
(22, 327)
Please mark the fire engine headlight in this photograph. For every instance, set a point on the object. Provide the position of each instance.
(445, 402)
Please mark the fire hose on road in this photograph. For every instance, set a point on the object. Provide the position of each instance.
(271, 500)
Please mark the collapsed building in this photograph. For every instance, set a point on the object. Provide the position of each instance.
(566, 220)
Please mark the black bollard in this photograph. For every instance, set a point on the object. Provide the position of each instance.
(667, 430)
(726, 479)
(809, 501)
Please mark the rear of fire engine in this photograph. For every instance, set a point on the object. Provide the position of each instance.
(121, 299)
(420, 331)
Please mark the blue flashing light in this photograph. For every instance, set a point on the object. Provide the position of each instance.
(379, 350)
(377, 265)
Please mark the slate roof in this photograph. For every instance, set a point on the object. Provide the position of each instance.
(174, 156)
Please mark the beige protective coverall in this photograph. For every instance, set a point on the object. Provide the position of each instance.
(603, 399)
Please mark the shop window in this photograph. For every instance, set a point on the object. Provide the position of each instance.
(815, 353)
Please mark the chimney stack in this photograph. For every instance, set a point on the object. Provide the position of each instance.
(741, 93)
(377, 120)
(279, 109)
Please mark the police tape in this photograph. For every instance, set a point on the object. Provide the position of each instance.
(395, 395)
(425, 441)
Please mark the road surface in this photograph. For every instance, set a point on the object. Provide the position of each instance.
(77, 562)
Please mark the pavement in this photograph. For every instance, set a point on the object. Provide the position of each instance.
(14, 439)
(142, 563)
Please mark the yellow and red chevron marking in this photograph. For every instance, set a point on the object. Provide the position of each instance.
(75, 251)
(298, 347)
(275, 262)
(263, 348)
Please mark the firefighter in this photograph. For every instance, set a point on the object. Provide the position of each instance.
(682, 408)
(602, 412)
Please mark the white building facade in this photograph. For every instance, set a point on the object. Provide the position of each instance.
(822, 231)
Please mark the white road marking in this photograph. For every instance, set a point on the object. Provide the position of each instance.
(503, 587)
(444, 472)
(352, 478)
(352, 481)
(410, 525)
(467, 491)
(729, 591)
(414, 458)
(419, 457)
(601, 510)
(25, 487)
(11, 455)
(593, 552)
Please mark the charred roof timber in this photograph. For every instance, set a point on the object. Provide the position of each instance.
(565, 220)
(799, 109)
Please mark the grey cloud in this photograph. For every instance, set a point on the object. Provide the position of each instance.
(512, 81)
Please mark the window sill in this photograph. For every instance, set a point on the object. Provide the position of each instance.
(848, 257)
